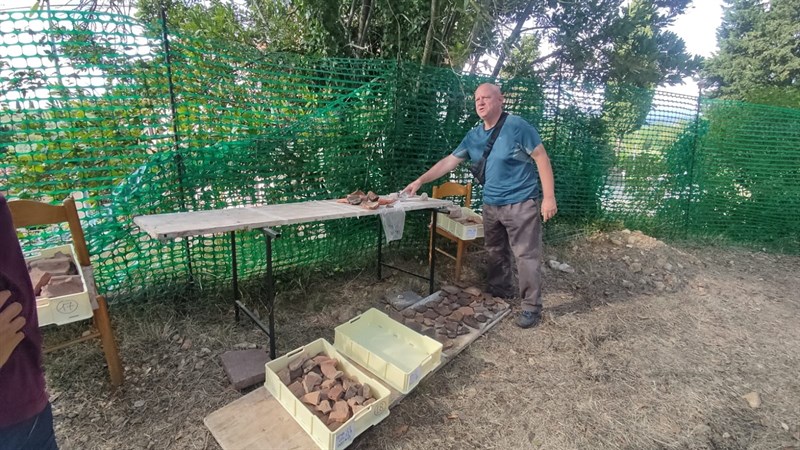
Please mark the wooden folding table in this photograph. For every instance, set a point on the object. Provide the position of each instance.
(197, 223)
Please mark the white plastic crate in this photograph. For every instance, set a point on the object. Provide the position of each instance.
(66, 308)
(460, 230)
(394, 353)
(319, 432)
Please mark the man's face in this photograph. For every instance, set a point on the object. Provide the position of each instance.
(488, 102)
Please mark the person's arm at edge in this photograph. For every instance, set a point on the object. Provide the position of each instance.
(549, 207)
(11, 324)
(444, 166)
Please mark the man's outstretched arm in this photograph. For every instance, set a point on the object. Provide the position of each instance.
(444, 166)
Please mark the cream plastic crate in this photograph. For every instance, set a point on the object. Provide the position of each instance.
(459, 230)
(66, 308)
(319, 432)
(396, 354)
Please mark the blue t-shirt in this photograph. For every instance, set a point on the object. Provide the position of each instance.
(511, 174)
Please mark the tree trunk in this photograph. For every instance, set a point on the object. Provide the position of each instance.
(514, 37)
(366, 13)
(426, 54)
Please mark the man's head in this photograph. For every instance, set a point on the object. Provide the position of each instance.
(488, 103)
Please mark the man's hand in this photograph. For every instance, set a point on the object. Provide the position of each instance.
(549, 208)
(413, 187)
(10, 325)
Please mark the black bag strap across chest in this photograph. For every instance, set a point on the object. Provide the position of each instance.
(497, 127)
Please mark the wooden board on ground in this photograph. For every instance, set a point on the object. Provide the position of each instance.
(257, 420)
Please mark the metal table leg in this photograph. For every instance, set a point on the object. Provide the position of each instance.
(235, 269)
(431, 260)
(269, 235)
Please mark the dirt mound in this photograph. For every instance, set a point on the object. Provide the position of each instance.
(602, 267)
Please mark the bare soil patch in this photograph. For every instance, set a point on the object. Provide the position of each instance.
(645, 345)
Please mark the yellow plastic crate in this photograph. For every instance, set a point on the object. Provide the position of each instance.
(396, 354)
(459, 230)
(319, 432)
(66, 308)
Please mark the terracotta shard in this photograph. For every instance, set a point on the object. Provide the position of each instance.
(324, 406)
(39, 278)
(61, 285)
(312, 398)
(297, 389)
(285, 376)
(340, 412)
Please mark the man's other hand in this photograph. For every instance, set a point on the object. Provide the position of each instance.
(549, 208)
(10, 325)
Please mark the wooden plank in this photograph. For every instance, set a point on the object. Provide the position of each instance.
(197, 223)
(257, 420)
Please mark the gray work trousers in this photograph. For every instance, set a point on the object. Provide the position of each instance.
(514, 228)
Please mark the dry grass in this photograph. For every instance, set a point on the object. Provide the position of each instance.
(660, 362)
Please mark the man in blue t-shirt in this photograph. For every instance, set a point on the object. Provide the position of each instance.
(513, 204)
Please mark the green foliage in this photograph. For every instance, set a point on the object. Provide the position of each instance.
(581, 159)
(747, 171)
(759, 53)
(606, 41)
(253, 127)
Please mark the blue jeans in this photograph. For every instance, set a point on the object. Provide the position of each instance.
(35, 433)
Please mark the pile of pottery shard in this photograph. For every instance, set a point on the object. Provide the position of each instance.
(456, 213)
(326, 391)
(54, 276)
(370, 200)
(453, 314)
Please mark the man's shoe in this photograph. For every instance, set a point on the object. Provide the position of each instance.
(528, 319)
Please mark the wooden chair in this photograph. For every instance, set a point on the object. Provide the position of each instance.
(450, 189)
(27, 213)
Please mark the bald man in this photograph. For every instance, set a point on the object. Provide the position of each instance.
(514, 202)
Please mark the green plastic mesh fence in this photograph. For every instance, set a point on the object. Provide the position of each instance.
(91, 105)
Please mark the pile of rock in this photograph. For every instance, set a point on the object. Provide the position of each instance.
(54, 276)
(453, 313)
(326, 391)
(370, 200)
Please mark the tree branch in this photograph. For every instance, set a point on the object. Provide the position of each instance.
(426, 54)
(512, 38)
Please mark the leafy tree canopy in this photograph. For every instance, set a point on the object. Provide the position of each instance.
(598, 40)
(759, 53)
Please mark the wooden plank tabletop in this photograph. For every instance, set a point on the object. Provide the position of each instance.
(196, 223)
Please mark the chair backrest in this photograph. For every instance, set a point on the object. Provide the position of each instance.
(27, 213)
(451, 189)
